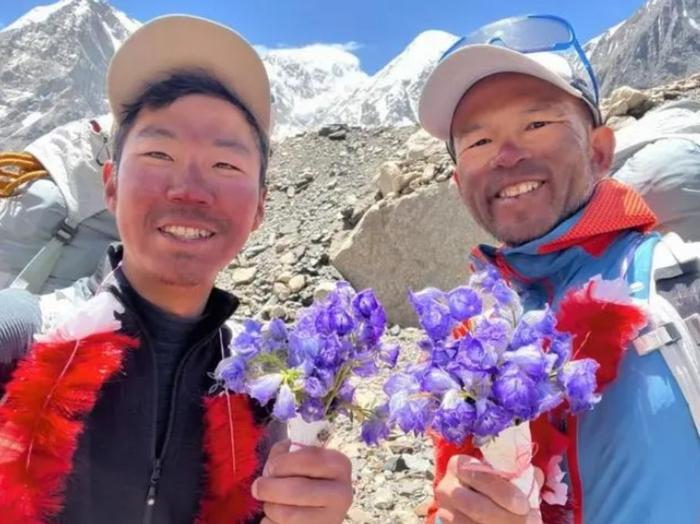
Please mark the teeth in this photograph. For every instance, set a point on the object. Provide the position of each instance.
(518, 189)
(186, 233)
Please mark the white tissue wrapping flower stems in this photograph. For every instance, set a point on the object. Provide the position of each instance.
(303, 434)
(510, 453)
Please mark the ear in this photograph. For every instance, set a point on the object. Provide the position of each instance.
(260, 211)
(455, 177)
(602, 150)
(109, 180)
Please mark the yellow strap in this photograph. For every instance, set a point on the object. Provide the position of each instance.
(17, 169)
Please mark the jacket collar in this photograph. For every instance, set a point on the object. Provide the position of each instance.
(586, 238)
(219, 308)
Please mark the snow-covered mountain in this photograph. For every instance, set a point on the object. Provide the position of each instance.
(306, 81)
(658, 43)
(53, 66)
(56, 56)
(390, 97)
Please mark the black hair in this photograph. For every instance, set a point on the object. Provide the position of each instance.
(182, 83)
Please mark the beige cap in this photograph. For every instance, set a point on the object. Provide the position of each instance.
(176, 43)
(457, 73)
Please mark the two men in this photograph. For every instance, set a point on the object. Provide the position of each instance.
(191, 101)
(517, 103)
(124, 427)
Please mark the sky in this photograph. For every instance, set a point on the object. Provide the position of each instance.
(375, 30)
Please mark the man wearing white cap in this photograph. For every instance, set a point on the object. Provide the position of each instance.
(112, 415)
(517, 103)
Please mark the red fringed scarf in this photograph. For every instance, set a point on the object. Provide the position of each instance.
(230, 440)
(42, 416)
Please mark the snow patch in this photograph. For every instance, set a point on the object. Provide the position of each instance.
(693, 23)
(37, 15)
(129, 24)
(32, 118)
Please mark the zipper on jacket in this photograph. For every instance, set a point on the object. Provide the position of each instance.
(159, 454)
(152, 491)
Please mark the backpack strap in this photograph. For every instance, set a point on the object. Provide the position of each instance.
(35, 274)
(674, 327)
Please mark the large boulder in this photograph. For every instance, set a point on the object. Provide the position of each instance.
(422, 146)
(626, 100)
(423, 239)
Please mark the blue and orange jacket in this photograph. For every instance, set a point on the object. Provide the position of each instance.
(636, 456)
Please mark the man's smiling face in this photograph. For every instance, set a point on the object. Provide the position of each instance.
(527, 155)
(187, 193)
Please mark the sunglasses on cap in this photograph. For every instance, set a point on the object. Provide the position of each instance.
(538, 34)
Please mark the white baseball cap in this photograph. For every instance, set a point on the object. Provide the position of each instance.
(474, 58)
(177, 43)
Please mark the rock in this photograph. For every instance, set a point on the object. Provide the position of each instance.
(618, 122)
(304, 181)
(390, 178)
(396, 464)
(253, 251)
(284, 244)
(409, 177)
(420, 240)
(278, 311)
(281, 291)
(352, 214)
(428, 174)
(412, 487)
(297, 283)
(384, 498)
(244, 275)
(360, 516)
(334, 129)
(341, 134)
(289, 258)
(290, 227)
(323, 260)
(284, 277)
(323, 289)
(402, 516)
(291, 192)
(421, 145)
(626, 100)
(418, 464)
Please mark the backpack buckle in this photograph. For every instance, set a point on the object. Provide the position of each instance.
(66, 231)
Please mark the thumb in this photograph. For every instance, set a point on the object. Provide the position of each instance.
(280, 448)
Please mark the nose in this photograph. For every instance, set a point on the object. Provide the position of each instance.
(509, 155)
(190, 187)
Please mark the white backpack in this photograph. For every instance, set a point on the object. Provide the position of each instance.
(674, 324)
(659, 156)
(55, 230)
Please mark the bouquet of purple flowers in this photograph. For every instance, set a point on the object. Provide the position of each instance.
(487, 370)
(307, 370)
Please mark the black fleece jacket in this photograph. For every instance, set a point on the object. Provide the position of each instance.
(119, 460)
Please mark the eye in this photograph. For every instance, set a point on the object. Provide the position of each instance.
(160, 155)
(226, 166)
(538, 124)
(479, 143)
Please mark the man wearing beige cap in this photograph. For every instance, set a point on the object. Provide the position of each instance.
(517, 103)
(112, 415)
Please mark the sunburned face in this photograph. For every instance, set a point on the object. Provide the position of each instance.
(527, 155)
(187, 194)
